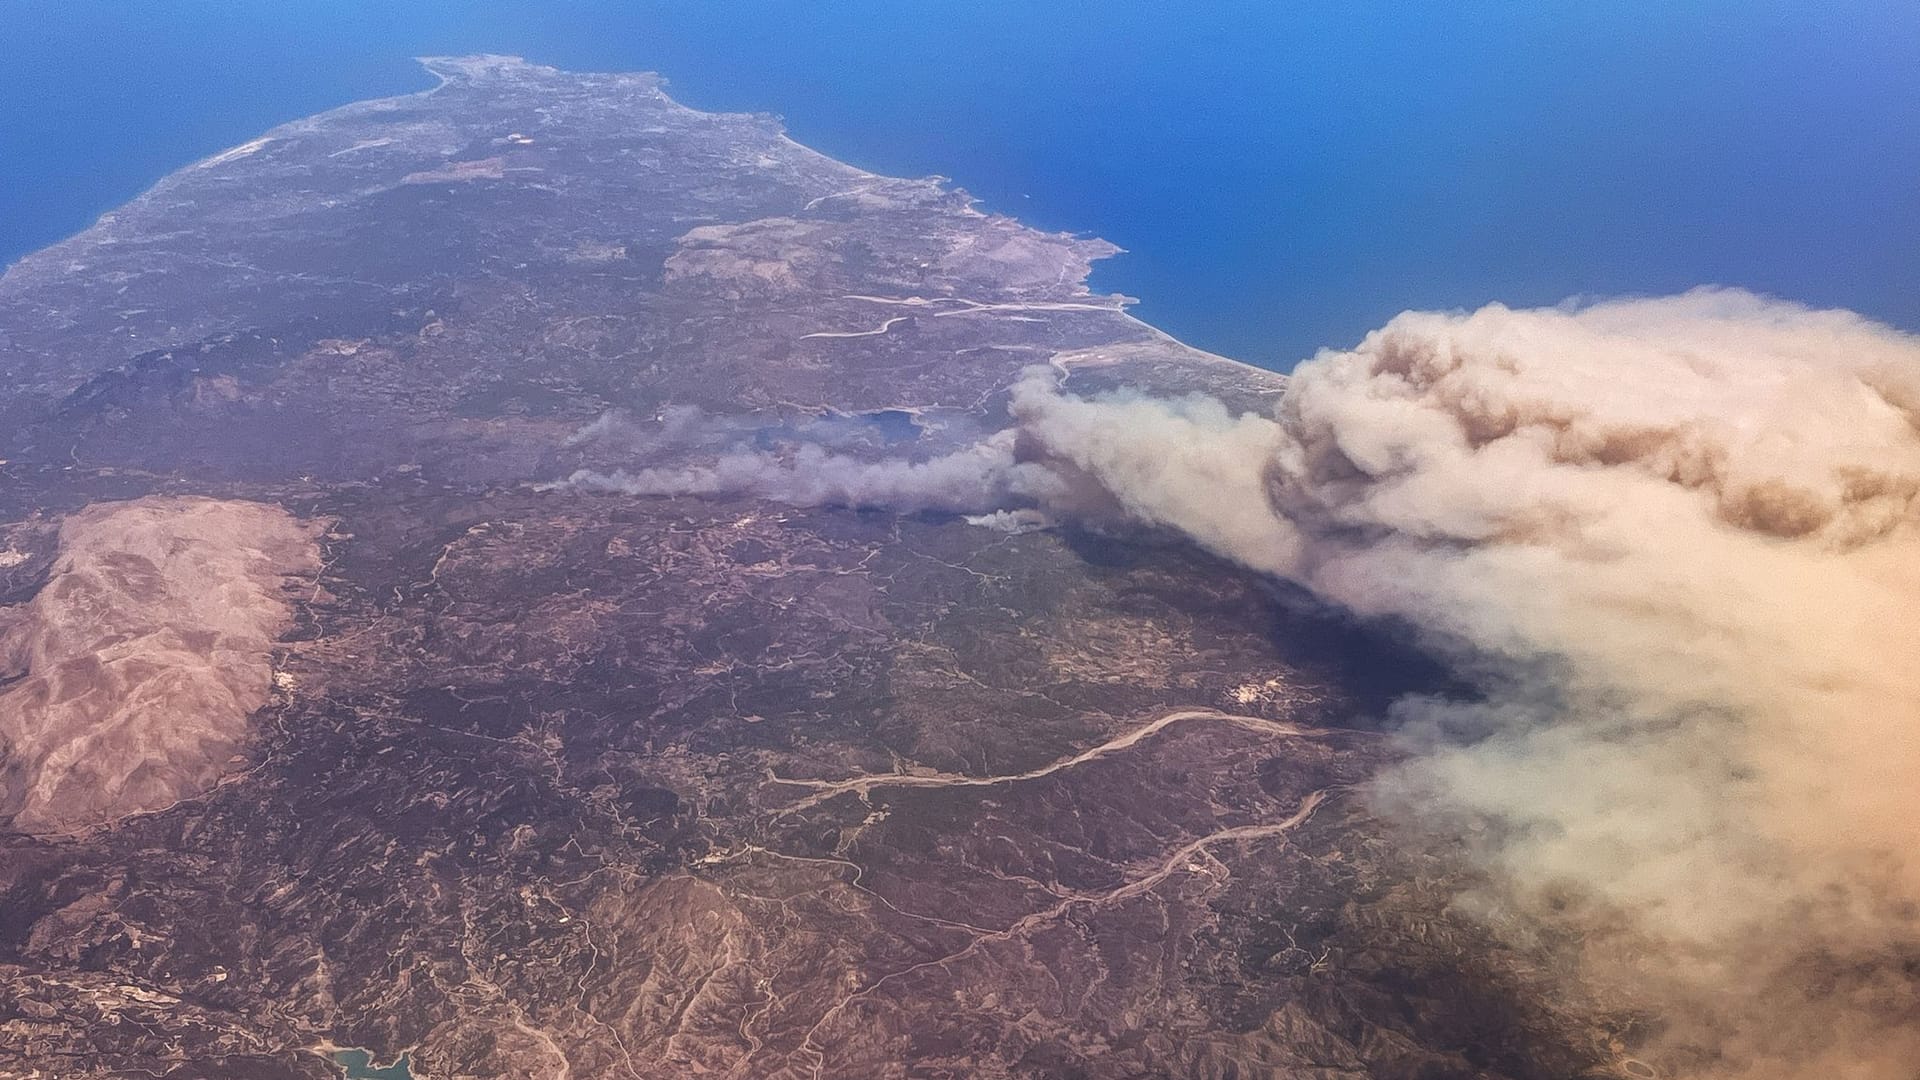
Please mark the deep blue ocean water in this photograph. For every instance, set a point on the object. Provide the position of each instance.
(1285, 175)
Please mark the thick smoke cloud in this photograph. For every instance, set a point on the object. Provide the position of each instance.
(1680, 541)
(1677, 541)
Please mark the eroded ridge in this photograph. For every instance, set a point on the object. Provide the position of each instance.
(132, 673)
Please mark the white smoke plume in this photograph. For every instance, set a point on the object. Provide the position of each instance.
(1678, 543)
(980, 476)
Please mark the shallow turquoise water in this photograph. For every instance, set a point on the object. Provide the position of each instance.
(359, 1066)
(1285, 175)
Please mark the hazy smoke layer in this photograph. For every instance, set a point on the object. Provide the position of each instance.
(1680, 538)
(1677, 540)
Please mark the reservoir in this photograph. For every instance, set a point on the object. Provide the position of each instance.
(359, 1066)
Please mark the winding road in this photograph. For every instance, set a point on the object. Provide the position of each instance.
(875, 332)
(826, 789)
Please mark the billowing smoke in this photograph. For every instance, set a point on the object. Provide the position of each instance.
(1679, 540)
(1676, 541)
(980, 476)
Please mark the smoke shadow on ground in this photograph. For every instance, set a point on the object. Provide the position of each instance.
(1374, 662)
(1369, 663)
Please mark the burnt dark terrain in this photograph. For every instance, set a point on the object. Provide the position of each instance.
(561, 784)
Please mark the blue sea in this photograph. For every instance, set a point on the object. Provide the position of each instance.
(1284, 175)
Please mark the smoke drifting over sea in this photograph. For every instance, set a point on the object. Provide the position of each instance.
(1677, 541)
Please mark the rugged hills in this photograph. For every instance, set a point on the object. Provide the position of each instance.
(536, 781)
